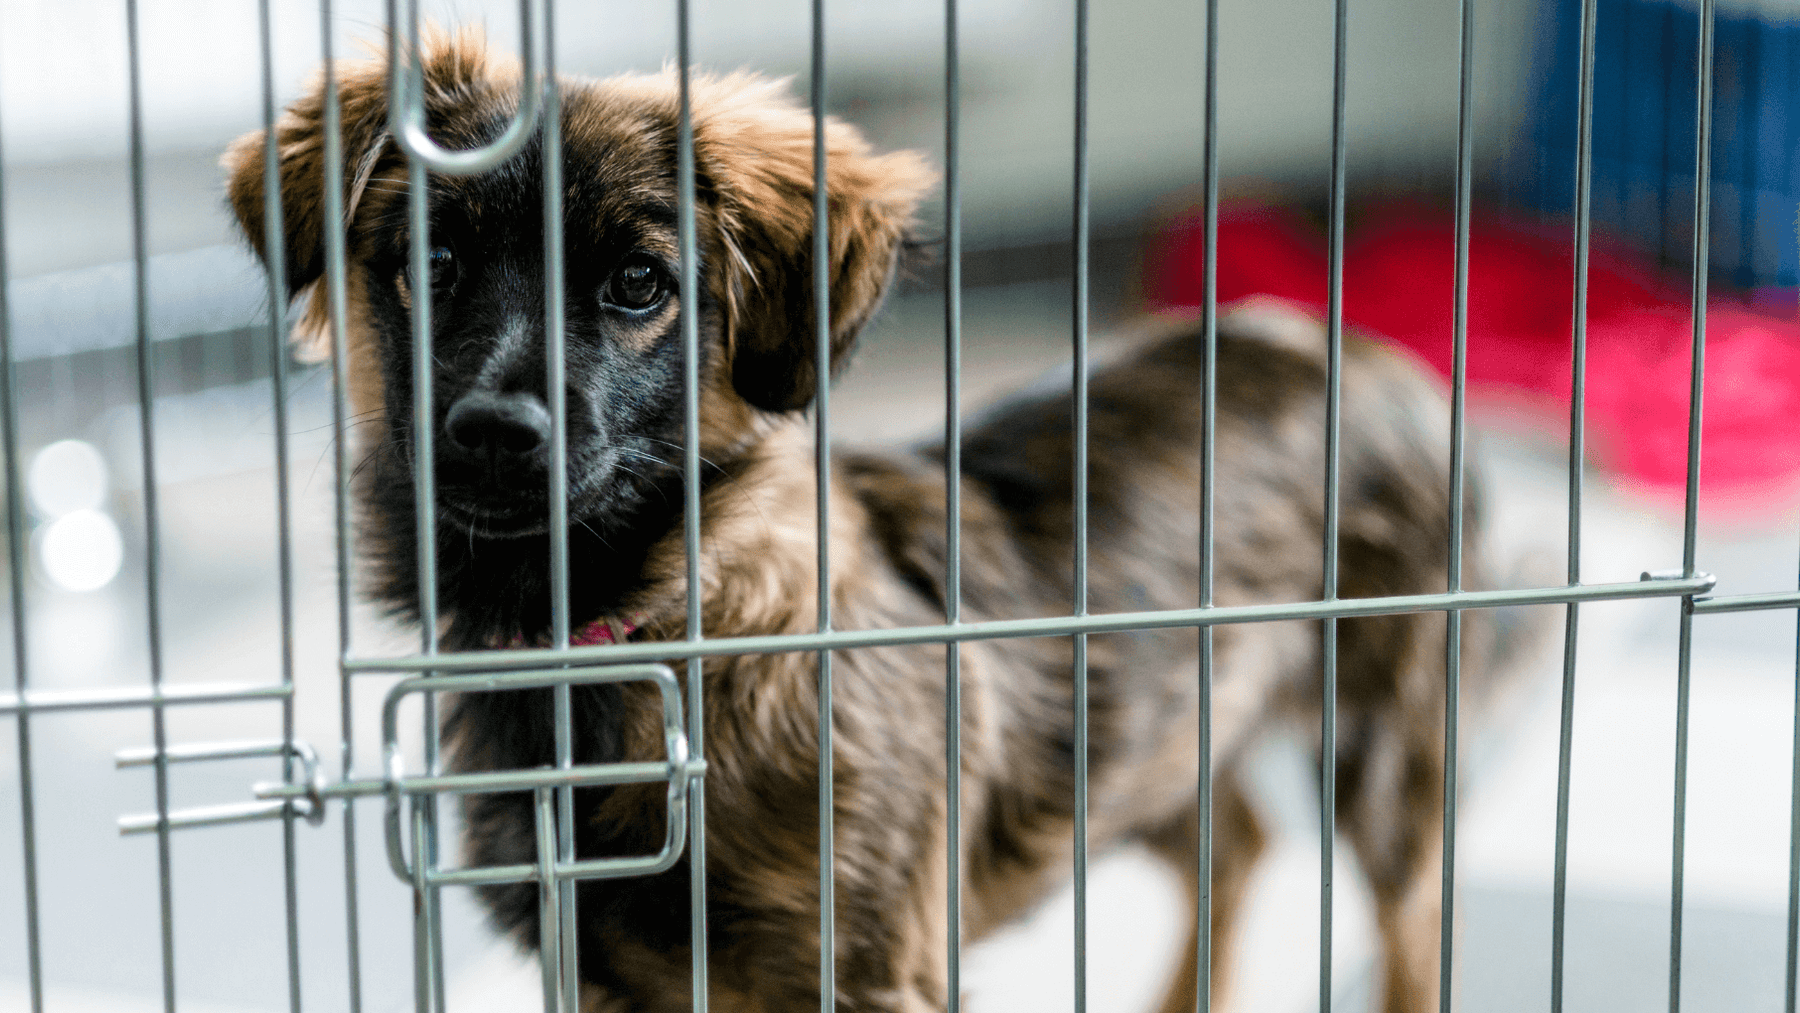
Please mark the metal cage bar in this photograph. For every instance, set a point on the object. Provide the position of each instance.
(274, 243)
(1005, 629)
(1209, 411)
(337, 320)
(953, 720)
(407, 107)
(1584, 173)
(821, 307)
(1793, 898)
(1453, 582)
(1703, 89)
(406, 87)
(1079, 395)
(140, 254)
(556, 396)
(1334, 399)
(687, 239)
(15, 572)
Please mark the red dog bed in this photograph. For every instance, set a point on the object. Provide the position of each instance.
(1398, 278)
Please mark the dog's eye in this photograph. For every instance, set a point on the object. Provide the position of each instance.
(636, 285)
(443, 268)
(441, 262)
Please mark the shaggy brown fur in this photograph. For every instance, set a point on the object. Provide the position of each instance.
(753, 149)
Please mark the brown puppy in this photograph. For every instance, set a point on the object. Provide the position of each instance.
(753, 149)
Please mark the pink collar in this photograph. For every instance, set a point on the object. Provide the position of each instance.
(600, 632)
(604, 631)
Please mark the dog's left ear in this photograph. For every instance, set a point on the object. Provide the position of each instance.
(754, 146)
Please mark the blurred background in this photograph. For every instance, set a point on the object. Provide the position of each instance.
(68, 243)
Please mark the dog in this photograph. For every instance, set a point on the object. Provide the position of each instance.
(754, 213)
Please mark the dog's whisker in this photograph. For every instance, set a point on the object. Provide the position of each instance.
(737, 486)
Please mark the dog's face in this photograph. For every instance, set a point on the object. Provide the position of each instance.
(622, 301)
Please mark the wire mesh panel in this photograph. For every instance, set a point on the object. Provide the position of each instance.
(417, 835)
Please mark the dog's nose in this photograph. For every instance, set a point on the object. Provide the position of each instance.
(498, 426)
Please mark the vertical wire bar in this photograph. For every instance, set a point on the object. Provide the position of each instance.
(1691, 514)
(952, 508)
(16, 541)
(1080, 466)
(140, 256)
(1209, 412)
(687, 239)
(427, 923)
(275, 261)
(1793, 912)
(1334, 336)
(821, 267)
(556, 391)
(1459, 339)
(549, 919)
(1793, 839)
(550, 896)
(423, 973)
(338, 306)
(1584, 172)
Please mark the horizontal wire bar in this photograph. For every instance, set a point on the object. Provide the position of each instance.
(1052, 626)
(641, 772)
(145, 756)
(590, 868)
(40, 701)
(1748, 602)
(204, 816)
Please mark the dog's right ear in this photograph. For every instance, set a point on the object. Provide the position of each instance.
(300, 149)
(455, 66)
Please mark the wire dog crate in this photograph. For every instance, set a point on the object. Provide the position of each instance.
(316, 785)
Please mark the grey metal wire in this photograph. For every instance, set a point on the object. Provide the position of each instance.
(821, 277)
(1334, 329)
(690, 473)
(15, 571)
(1004, 629)
(1584, 171)
(1465, 186)
(1747, 602)
(407, 109)
(953, 720)
(1793, 907)
(428, 921)
(1691, 513)
(1209, 413)
(424, 958)
(43, 701)
(152, 525)
(275, 247)
(550, 890)
(1079, 382)
(556, 392)
(337, 303)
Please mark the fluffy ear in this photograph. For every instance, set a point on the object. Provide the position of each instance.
(754, 145)
(457, 68)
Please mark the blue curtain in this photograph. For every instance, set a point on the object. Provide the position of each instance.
(1644, 86)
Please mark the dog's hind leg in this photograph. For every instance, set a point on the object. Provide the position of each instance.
(1238, 842)
(1390, 786)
